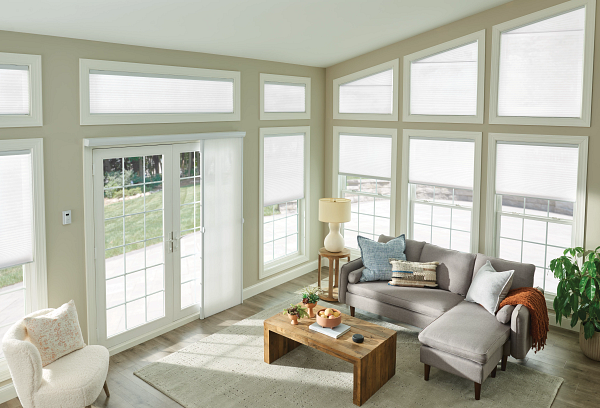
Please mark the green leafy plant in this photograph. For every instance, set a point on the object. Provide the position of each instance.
(578, 292)
(310, 294)
(296, 310)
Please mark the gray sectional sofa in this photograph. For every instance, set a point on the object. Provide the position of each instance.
(459, 337)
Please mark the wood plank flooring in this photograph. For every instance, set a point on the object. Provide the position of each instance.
(561, 357)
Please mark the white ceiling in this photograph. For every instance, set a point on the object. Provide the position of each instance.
(309, 32)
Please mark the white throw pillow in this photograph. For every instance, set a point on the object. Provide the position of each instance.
(489, 288)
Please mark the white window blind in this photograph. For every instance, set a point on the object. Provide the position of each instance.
(541, 68)
(371, 94)
(280, 97)
(283, 171)
(16, 210)
(539, 171)
(14, 90)
(445, 83)
(444, 163)
(126, 93)
(366, 155)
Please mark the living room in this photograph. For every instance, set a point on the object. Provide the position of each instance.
(174, 175)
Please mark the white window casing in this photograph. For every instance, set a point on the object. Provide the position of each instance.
(284, 97)
(20, 90)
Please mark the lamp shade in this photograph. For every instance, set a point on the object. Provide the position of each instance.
(334, 210)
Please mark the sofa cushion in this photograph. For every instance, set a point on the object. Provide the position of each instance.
(468, 331)
(413, 248)
(523, 276)
(427, 301)
(455, 271)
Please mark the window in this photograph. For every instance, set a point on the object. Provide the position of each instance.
(370, 94)
(441, 187)
(121, 93)
(284, 186)
(284, 97)
(536, 199)
(365, 173)
(22, 234)
(445, 83)
(542, 67)
(20, 90)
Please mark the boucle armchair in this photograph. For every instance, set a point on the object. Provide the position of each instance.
(72, 381)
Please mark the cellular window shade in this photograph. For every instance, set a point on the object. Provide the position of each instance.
(445, 83)
(283, 170)
(371, 94)
(16, 210)
(14, 90)
(541, 68)
(366, 156)
(539, 171)
(445, 163)
(279, 97)
(133, 93)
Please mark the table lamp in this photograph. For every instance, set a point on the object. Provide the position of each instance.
(334, 211)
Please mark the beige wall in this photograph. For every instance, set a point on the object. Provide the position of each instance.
(484, 20)
(63, 157)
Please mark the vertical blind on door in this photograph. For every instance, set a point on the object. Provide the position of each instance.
(14, 90)
(283, 169)
(539, 171)
(441, 162)
(16, 209)
(125, 92)
(371, 94)
(445, 83)
(541, 68)
(366, 155)
(280, 97)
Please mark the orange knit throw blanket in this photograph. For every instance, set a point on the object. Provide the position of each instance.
(533, 300)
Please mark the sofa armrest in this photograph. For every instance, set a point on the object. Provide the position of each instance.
(343, 281)
(520, 332)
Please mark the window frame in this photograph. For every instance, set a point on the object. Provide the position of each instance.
(292, 260)
(478, 36)
(395, 66)
(406, 202)
(284, 80)
(336, 190)
(86, 118)
(588, 66)
(35, 117)
(35, 273)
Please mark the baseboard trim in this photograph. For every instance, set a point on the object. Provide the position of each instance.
(566, 322)
(277, 280)
(7, 393)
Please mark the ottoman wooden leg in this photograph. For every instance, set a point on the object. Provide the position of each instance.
(426, 372)
(477, 391)
(493, 374)
(504, 361)
(352, 311)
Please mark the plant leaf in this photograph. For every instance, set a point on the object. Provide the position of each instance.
(574, 320)
(583, 284)
(589, 330)
(591, 291)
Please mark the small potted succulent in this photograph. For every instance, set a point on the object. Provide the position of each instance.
(295, 312)
(310, 297)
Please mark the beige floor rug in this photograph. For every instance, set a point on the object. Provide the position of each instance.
(227, 369)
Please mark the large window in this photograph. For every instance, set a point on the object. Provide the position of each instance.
(20, 90)
(121, 92)
(445, 83)
(284, 97)
(284, 186)
(542, 67)
(370, 94)
(22, 234)
(365, 168)
(536, 199)
(441, 187)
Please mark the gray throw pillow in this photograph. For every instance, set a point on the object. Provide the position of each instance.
(505, 314)
(354, 276)
(489, 287)
(376, 257)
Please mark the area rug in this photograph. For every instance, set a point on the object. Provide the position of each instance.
(227, 369)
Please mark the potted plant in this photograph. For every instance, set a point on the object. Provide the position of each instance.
(295, 312)
(310, 297)
(578, 295)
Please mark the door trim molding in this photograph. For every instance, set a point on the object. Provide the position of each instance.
(123, 141)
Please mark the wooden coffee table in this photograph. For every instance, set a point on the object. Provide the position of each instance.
(374, 360)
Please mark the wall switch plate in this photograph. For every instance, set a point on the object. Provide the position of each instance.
(66, 217)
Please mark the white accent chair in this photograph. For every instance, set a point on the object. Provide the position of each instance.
(72, 381)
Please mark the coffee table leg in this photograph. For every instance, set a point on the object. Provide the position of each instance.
(277, 345)
(374, 370)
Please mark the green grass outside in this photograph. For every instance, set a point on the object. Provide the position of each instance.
(10, 276)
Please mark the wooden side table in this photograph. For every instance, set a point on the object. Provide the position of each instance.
(334, 270)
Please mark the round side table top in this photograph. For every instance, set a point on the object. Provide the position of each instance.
(342, 254)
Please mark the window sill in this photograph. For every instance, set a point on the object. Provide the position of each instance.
(281, 265)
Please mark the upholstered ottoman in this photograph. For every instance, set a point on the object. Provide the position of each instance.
(467, 341)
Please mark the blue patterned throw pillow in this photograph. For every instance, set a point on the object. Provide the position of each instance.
(376, 257)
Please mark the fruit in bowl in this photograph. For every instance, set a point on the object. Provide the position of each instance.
(329, 317)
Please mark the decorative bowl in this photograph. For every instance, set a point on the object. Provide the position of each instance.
(324, 322)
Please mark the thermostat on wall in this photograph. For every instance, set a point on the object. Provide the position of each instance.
(66, 217)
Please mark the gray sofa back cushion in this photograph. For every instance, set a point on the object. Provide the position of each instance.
(455, 271)
(413, 248)
(522, 278)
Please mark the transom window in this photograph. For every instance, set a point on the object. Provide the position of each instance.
(284, 97)
(20, 90)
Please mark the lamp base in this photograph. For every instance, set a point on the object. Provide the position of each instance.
(334, 241)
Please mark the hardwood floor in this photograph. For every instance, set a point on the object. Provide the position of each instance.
(561, 357)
